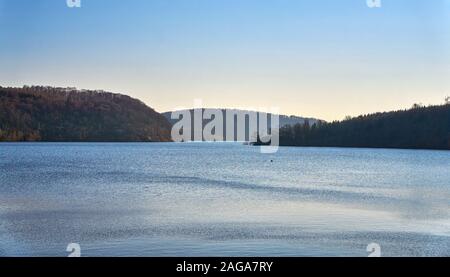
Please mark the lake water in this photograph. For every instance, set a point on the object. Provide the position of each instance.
(221, 199)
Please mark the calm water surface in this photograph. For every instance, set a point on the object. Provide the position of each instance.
(215, 199)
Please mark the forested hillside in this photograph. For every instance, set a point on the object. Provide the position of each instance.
(65, 114)
(416, 128)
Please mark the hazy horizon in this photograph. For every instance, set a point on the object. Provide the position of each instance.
(318, 59)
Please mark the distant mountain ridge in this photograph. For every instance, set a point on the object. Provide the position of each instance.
(284, 120)
(39, 113)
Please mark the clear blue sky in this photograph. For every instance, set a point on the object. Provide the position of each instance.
(321, 58)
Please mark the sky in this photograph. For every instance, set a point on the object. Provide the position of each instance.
(319, 58)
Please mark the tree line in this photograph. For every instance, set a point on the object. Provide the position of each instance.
(39, 113)
(417, 128)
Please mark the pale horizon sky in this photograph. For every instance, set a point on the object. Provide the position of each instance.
(315, 58)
